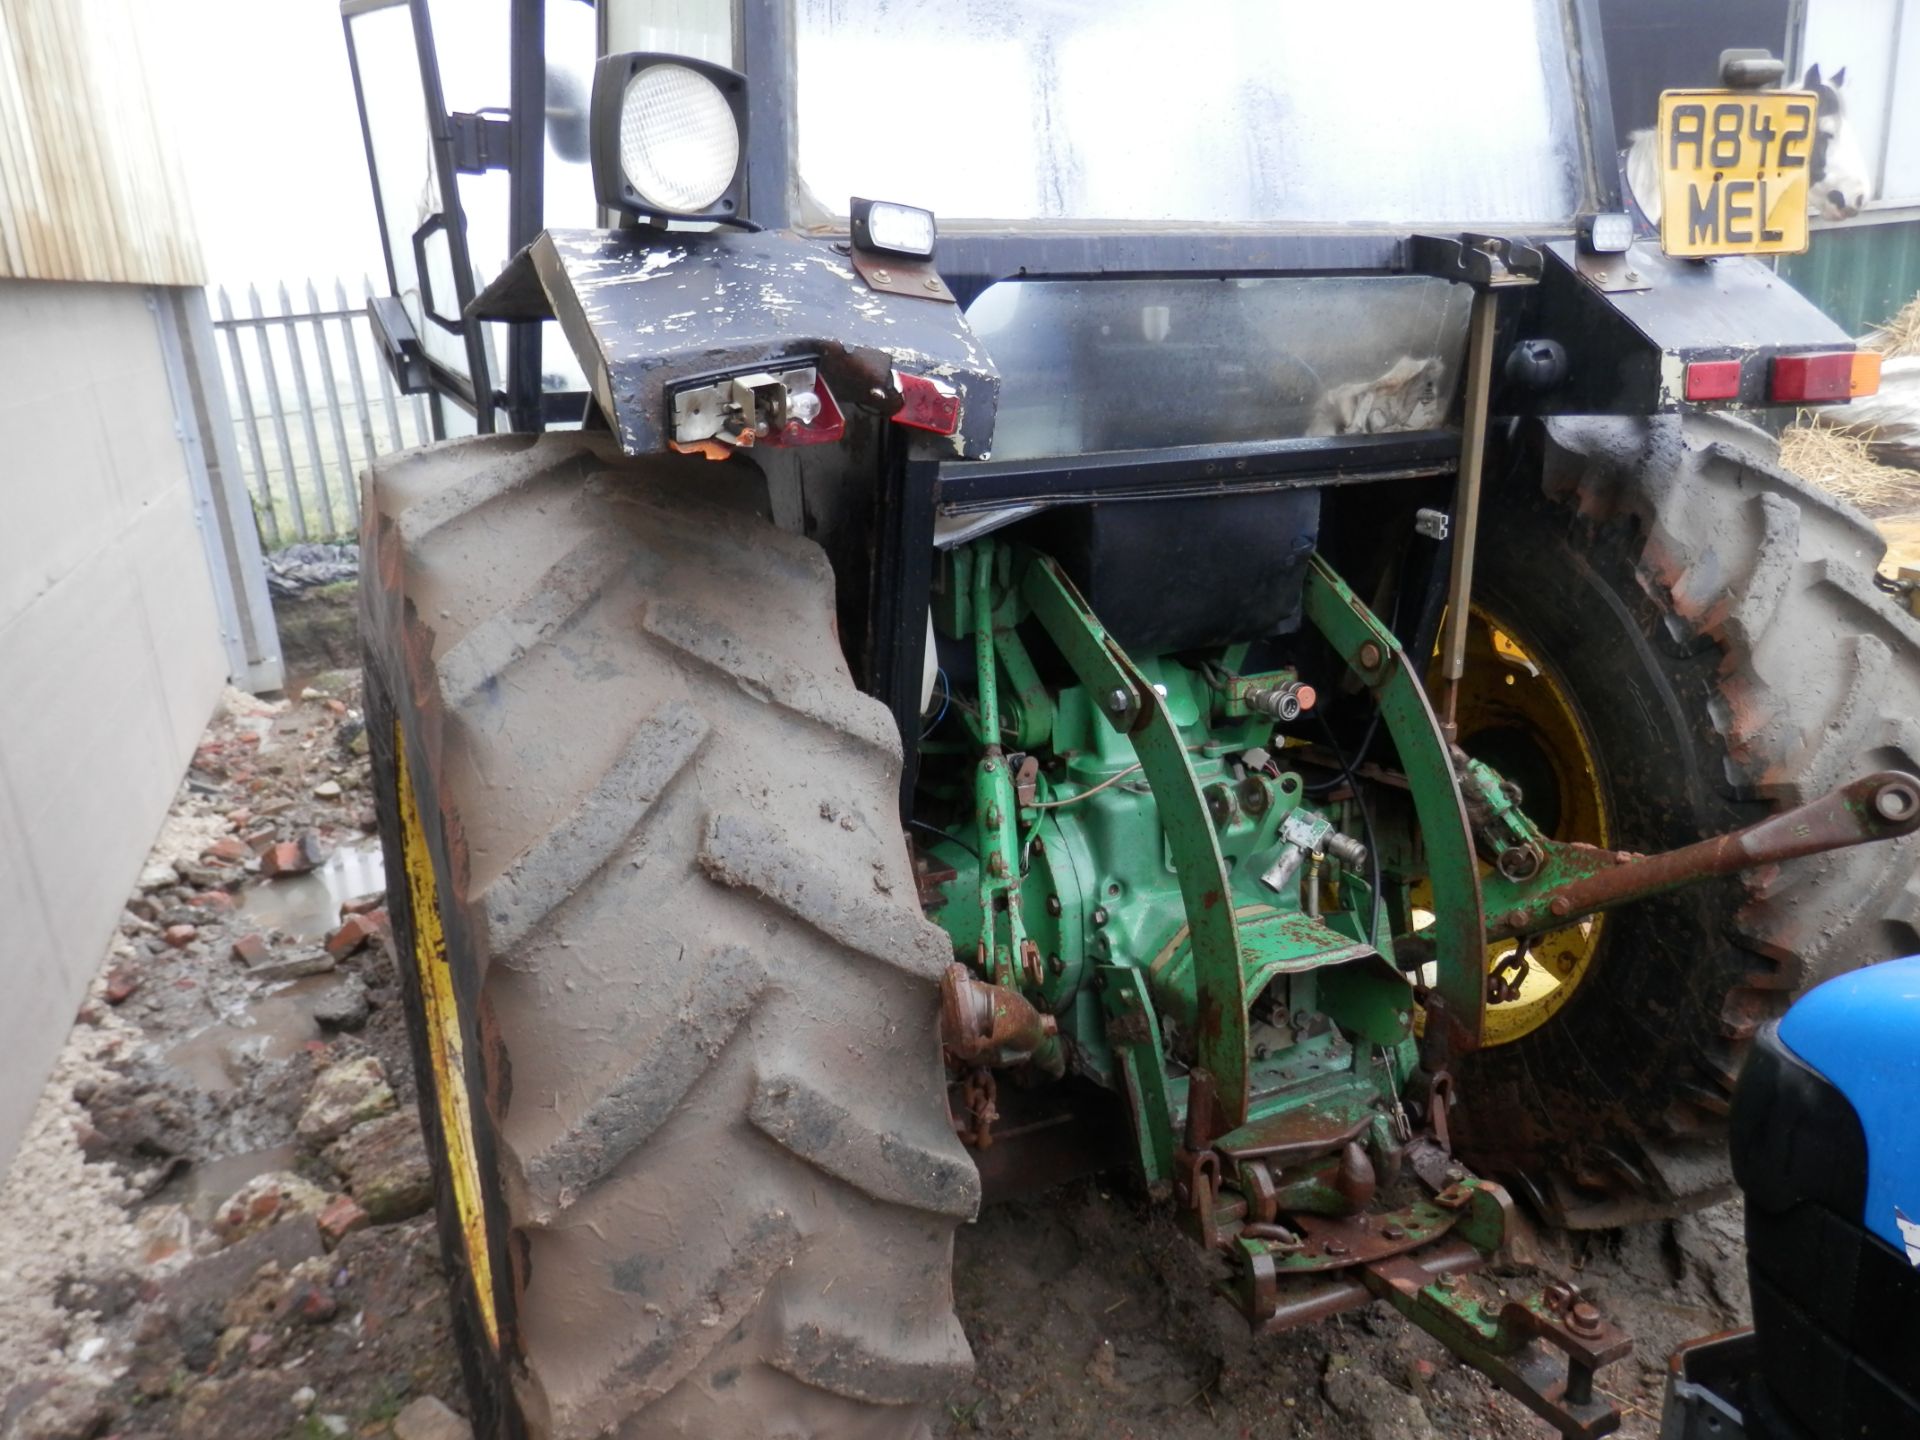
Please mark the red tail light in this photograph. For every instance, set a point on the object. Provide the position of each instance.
(1818, 379)
(1713, 380)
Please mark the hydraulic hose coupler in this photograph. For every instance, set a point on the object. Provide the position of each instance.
(1347, 850)
(1284, 701)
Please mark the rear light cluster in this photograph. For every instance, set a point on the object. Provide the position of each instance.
(1819, 379)
(1839, 375)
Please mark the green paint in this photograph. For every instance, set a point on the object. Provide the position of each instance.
(1458, 932)
(998, 894)
(1130, 699)
(1133, 1031)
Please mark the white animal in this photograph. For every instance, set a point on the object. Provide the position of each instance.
(1839, 186)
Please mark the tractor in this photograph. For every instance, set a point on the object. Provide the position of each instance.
(1009, 592)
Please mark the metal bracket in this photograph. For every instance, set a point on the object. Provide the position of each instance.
(1614, 273)
(481, 142)
(1482, 261)
(898, 275)
(399, 344)
(1458, 929)
(1502, 1339)
(1134, 1033)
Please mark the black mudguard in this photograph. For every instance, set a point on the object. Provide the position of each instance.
(648, 310)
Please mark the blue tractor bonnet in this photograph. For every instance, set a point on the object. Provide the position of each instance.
(1862, 1033)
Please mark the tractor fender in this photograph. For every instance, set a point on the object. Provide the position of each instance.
(647, 310)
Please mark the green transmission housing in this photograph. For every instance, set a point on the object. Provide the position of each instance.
(1073, 893)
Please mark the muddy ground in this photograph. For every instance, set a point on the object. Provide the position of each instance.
(171, 1266)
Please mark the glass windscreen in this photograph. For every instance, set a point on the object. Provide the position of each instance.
(1385, 111)
(1132, 364)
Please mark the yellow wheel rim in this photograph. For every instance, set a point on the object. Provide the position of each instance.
(1516, 714)
(444, 1043)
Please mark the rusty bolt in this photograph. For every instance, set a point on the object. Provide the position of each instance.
(1336, 1248)
(1370, 654)
(996, 863)
(1053, 905)
(883, 277)
(989, 767)
(1584, 1318)
(1099, 915)
(1561, 905)
(1448, 1282)
(1393, 1232)
(1056, 965)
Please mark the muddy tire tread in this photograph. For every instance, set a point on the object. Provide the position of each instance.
(1816, 680)
(705, 999)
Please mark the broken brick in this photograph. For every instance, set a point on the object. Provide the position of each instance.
(339, 1218)
(356, 931)
(293, 857)
(212, 900)
(122, 981)
(229, 848)
(281, 859)
(260, 840)
(250, 949)
(180, 936)
(362, 904)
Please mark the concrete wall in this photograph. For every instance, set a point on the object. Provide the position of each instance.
(110, 653)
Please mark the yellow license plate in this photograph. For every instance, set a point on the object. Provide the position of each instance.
(1735, 171)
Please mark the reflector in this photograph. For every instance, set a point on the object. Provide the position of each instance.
(1713, 380)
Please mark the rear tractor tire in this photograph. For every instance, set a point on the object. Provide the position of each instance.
(672, 1001)
(1712, 621)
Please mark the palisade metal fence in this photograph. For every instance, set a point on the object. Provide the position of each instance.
(303, 449)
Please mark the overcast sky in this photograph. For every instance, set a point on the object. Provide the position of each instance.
(269, 139)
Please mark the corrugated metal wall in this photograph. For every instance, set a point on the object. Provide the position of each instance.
(1859, 274)
(89, 187)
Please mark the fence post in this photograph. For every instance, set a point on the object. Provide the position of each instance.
(353, 368)
(279, 412)
(252, 423)
(328, 525)
(341, 457)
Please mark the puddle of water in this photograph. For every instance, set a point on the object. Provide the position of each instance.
(207, 1184)
(271, 1027)
(307, 907)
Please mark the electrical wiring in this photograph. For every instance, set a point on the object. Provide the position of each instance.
(1112, 779)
